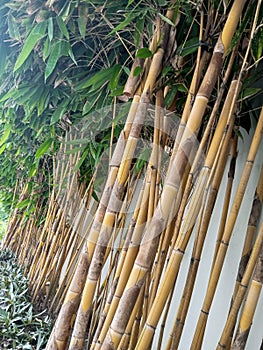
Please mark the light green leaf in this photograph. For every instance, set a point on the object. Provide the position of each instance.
(23, 204)
(124, 23)
(43, 148)
(3, 51)
(5, 135)
(98, 79)
(165, 19)
(62, 27)
(37, 33)
(2, 148)
(50, 29)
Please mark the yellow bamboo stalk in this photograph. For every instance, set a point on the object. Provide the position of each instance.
(170, 192)
(116, 197)
(248, 311)
(203, 223)
(255, 290)
(249, 237)
(199, 332)
(186, 229)
(59, 337)
(139, 220)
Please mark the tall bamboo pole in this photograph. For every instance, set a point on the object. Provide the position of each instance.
(256, 255)
(61, 330)
(200, 329)
(143, 261)
(248, 311)
(84, 310)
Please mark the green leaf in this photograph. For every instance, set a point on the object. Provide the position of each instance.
(144, 52)
(3, 50)
(37, 33)
(13, 28)
(2, 148)
(53, 59)
(43, 148)
(59, 112)
(181, 87)
(62, 26)
(165, 19)
(124, 23)
(23, 204)
(98, 79)
(138, 70)
(5, 135)
(190, 47)
(82, 22)
(82, 158)
(50, 29)
(249, 92)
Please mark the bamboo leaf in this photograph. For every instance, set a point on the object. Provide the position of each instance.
(124, 23)
(98, 79)
(23, 204)
(5, 135)
(13, 28)
(165, 19)
(3, 51)
(50, 29)
(138, 70)
(62, 26)
(44, 148)
(2, 148)
(82, 26)
(37, 33)
(144, 52)
(53, 59)
(82, 158)
(58, 113)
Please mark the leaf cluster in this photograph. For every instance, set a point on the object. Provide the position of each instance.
(20, 326)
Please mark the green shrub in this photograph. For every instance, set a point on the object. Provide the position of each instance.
(20, 326)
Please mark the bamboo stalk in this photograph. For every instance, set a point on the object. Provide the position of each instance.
(249, 237)
(83, 315)
(199, 332)
(204, 220)
(256, 255)
(250, 306)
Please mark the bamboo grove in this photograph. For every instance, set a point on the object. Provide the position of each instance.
(125, 161)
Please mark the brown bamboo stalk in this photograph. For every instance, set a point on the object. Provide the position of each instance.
(134, 233)
(249, 237)
(256, 251)
(117, 194)
(248, 311)
(199, 332)
(59, 337)
(226, 203)
(184, 236)
(144, 260)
